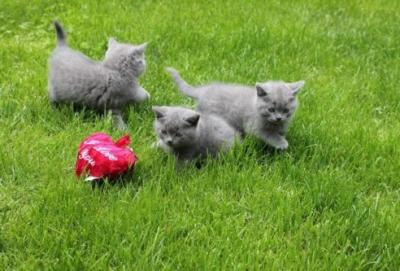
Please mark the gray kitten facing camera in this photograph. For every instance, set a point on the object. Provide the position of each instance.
(264, 111)
(190, 135)
(110, 84)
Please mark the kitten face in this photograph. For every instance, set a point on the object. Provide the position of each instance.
(175, 126)
(276, 101)
(126, 56)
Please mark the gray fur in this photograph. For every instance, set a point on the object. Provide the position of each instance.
(110, 84)
(248, 109)
(189, 135)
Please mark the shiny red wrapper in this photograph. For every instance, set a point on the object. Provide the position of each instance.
(99, 157)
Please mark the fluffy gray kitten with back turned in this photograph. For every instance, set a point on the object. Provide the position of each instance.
(110, 84)
(264, 110)
(189, 134)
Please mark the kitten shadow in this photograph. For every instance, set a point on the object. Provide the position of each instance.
(89, 115)
(253, 149)
(192, 164)
(299, 147)
(71, 111)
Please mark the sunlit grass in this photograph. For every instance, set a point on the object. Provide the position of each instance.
(331, 202)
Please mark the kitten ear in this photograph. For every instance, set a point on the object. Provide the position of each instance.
(295, 86)
(260, 90)
(111, 42)
(141, 48)
(159, 111)
(193, 120)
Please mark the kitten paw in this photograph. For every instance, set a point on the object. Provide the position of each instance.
(141, 95)
(283, 145)
(120, 125)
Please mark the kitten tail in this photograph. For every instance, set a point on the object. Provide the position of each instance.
(184, 87)
(60, 34)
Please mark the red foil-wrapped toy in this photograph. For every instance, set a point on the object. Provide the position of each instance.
(99, 157)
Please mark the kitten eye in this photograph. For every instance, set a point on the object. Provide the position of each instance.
(163, 132)
(285, 110)
(178, 134)
(272, 110)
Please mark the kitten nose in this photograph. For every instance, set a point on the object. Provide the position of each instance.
(278, 118)
(169, 141)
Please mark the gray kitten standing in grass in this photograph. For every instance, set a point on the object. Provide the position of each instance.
(189, 135)
(110, 84)
(264, 110)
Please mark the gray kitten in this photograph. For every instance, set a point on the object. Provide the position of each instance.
(264, 111)
(110, 84)
(190, 135)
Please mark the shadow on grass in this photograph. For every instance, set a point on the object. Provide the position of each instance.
(123, 181)
(249, 153)
(67, 112)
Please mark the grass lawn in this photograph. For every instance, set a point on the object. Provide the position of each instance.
(331, 202)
